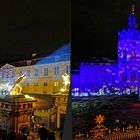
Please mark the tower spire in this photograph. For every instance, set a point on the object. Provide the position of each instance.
(132, 19)
(133, 9)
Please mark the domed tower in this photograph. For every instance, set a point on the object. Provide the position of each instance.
(129, 53)
(129, 42)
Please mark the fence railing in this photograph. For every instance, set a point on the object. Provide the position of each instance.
(130, 135)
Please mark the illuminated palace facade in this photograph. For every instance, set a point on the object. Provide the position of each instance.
(43, 75)
(124, 74)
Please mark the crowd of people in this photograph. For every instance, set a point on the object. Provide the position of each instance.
(43, 133)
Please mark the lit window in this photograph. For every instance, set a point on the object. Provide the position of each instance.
(56, 84)
(45, 71)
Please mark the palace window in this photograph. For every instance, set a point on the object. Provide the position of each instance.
(56, 84)
(56, 70)
(67, 69)
(28, 73)
(13, 74)
(124, 77)
(45, 84)
(133, 77)
(36, 73)
(45, 71)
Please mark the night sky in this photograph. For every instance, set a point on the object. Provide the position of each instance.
(95, 27)
(29, 26)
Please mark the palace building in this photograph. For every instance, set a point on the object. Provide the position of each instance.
(119, 75)
(43, 75)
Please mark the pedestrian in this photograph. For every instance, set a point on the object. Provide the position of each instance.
(43, 132)
(51, 135)
(12, 134)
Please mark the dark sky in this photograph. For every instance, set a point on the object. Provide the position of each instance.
(95, 26)
(28, 26)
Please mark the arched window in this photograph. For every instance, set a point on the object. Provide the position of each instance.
(133, 77)
(124, 77)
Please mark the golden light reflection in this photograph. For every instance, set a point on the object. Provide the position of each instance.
(29, 97)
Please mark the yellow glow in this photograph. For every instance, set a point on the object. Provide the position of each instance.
(66, 79)
(133, 8)
(66, 82)
(100, 119)
(29, 97)
(16, 88)
(62, 89)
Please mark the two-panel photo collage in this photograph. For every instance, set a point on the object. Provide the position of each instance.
(70, 70)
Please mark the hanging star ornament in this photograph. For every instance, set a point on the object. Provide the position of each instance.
(99, 119)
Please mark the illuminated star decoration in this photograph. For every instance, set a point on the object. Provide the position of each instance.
(66, 79)
(100, 119)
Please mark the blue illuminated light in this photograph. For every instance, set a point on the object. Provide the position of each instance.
(119, 78)
(60, 55)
